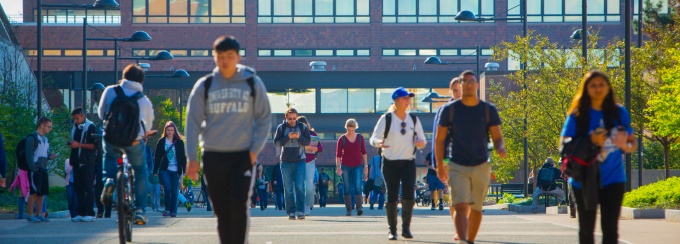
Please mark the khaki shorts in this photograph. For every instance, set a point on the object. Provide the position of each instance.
(469, 184)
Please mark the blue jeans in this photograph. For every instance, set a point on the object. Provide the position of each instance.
(72, 199)
(293, 185)
(378, 196)
(278, 200)
(352, 177)
(155, 195)
(323, 194)
(135, 155)
(170, 181)
(310, 168)
(263, 198)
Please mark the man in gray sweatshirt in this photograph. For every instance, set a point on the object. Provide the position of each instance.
(292, 137)
(229, 117)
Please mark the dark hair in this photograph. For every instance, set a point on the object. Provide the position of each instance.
(580, 105)
(226, 43)
(467, 72)
(78, 111)
(290, 111)
(134, 73)
(303, 119)
(42, 121)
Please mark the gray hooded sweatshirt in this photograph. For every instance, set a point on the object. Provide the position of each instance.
(231, 120)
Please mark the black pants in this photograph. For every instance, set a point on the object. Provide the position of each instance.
(396, 172)
(229, 177)
(84, 184)
(610, 198)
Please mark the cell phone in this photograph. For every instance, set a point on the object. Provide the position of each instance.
(153, 133)
(68, 143)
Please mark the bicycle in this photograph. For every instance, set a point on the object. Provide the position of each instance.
(125, 199)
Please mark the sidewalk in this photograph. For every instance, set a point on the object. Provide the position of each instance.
(329, 225)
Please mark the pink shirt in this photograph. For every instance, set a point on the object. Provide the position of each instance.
(351, 154)
(22, 182)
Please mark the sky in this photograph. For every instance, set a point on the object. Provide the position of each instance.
(13, 8)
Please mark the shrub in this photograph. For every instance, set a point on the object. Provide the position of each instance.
(662, 194)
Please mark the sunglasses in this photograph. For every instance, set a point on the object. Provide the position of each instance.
(291, 119)
(403, 128)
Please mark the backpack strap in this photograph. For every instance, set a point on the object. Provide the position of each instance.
(388, 124)
(119, 91)
(206, 86)
(415, 122)
(343, 139)
(251, 83)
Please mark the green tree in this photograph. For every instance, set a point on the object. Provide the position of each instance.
(553, 74)
(664, 109)
(164, 111)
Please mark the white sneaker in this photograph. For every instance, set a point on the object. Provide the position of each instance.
(77, 219)
(87, 219)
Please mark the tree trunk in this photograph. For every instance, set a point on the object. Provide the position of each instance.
(666, 148)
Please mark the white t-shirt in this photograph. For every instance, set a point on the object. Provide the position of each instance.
(171, 155)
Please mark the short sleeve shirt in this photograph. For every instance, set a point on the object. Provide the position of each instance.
(469, 131)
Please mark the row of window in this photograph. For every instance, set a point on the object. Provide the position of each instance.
(110, 52)
(313, 53)
(180, 52)
(435, 52)
(344, 11)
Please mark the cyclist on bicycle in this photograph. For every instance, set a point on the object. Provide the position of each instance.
(131, 86)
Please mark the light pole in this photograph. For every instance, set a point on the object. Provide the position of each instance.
(436, 61)
(467, 15)
(162, 55)
(629, 9)
(641, 129)
(98, 4)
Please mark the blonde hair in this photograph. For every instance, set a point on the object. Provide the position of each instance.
(351, 123)
(392, 108)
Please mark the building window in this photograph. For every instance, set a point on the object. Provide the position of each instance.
(433, 11)
(313, 11)
(436, 52)
(180, 53)
(188, 11)
(566, 10)
(76, 16)
(313, 53)
(303, 100)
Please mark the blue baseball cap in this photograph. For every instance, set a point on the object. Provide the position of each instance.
(401, 92)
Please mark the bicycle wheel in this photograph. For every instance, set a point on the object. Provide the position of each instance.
(129, 205)
(121, 208)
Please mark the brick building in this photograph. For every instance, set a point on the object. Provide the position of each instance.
(370, 47)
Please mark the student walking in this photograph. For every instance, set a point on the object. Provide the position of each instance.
(170, 165)
(262, 185)
(468, 164)
(37, 158)
(594, 113)
(292, 137)
(311, 151)
(399, 152)
(351, 162)
(230, 111)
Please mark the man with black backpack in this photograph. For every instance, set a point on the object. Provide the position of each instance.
(545, 182)
(128, 116)
(33, 157)
(230, 111)
(468, 123)
(292, 137)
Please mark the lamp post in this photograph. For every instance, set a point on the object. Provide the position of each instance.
(641, 130)
(98, 4)
(436, 61)
(629, 9)
(467, 15)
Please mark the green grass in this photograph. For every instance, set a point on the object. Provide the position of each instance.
(56, 200)
(664, 194)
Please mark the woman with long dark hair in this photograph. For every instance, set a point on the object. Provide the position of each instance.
(170, 163)
(594, 113)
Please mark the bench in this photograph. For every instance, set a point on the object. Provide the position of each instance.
(495, 191)
(515, 189)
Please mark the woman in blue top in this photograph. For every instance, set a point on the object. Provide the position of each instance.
(594, 112)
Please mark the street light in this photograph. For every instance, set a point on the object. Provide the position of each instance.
(162, 55)
(467, 15)
(98, 4)
(178, 74)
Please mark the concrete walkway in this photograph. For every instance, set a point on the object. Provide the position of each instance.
(329, 225)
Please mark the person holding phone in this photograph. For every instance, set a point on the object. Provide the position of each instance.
(292, 137)
(82, 159)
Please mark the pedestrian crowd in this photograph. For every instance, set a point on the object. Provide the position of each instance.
(229, 118)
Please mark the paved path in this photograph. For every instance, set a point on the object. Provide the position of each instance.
(329, 225)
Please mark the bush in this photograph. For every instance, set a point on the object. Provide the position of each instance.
(56, 200)
(662, 194)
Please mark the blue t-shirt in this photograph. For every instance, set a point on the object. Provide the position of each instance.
(611, 169)
(469, 131)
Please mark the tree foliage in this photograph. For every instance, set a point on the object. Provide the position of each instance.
(553, 74)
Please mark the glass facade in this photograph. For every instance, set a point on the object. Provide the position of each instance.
(312, 11)
(303, 100)
(188, 11)
(433, 11)
(76, 16)
(435, 52)
(313, 52)
(566, 10)
(179, 53)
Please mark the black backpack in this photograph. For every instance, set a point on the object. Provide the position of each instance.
(20, 151)
(546, 177)
(122, 122)
(208, 83)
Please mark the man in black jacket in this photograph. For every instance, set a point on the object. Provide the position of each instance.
(545, 182)
(83, 161)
